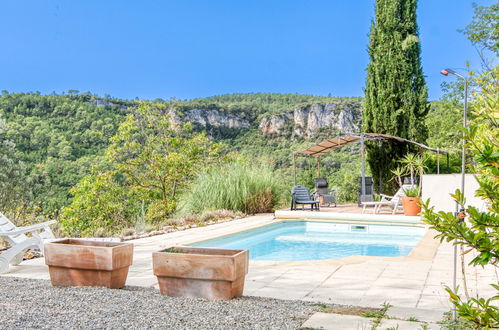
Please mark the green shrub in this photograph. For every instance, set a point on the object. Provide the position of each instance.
(346, 182)
(237, 187)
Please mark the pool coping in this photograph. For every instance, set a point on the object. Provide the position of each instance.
(356, 217)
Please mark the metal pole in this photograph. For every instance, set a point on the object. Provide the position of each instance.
(463, 166)
(294, 169)
(463, 160)
(438, 160)
(318, 166)
(363, 182)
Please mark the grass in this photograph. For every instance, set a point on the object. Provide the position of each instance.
(237, 187)
(460, 324)
(378, 317)
(378, 314)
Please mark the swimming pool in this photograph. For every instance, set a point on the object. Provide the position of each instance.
(312, 240)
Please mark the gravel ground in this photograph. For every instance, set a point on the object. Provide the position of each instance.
(35, 304)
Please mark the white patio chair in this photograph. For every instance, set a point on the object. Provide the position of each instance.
(19, 242)
(394, 202)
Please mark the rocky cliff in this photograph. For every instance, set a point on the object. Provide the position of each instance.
(210, 117)
(307, 121)
(302, 121)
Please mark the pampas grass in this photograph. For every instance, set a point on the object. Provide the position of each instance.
(237, 187)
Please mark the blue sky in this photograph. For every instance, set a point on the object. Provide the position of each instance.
(187, 49)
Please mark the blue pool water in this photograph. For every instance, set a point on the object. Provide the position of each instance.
(309, 240)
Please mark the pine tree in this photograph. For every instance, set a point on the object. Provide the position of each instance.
(395, 95)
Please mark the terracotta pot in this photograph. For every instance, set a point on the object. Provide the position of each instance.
(75, 262)
(214, 274)
(411, 205)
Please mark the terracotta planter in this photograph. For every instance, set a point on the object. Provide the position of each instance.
(411, 205)
(74, 262)
(214, 274)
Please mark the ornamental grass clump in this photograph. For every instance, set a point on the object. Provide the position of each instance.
(237, 187)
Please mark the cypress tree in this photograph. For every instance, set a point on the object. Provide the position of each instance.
(396, 94)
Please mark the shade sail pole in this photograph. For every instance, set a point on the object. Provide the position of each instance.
(319, 166)
(294, 169)
(438, 160)
(363, 183)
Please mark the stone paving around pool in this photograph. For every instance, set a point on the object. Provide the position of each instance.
(413, 284)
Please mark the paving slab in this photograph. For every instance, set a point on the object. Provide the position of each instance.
(406, 325)
(426, 315)
(330, 321)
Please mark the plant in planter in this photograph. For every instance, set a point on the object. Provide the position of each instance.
(414, 165)
(75, 262)
(398, 173)
(196, 272)
(411, 201)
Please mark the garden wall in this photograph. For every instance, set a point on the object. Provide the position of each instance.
(437, 187)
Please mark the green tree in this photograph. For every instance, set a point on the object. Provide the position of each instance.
(483, 30)
(481, 231)
(15, 190)
(158, 158)
(395, 95)
(149, 163)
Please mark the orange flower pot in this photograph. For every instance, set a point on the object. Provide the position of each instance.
(411, 205)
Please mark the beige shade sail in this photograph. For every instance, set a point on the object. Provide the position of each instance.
(335, 143)
(326, 146)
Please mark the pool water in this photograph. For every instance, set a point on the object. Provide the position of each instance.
(310, 240)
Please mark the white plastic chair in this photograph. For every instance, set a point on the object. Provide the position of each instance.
(394, 202)
(19, 242)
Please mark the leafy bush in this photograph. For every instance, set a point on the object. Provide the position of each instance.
(346, 181)
(236, 187)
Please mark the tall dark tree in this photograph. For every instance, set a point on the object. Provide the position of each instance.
(396, 94)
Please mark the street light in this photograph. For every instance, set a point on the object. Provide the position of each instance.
(446, 72)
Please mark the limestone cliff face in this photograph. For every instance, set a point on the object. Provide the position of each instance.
(308, 121)
(303, 121)
(210, 117)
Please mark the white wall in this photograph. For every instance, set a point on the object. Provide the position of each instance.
(437, 188)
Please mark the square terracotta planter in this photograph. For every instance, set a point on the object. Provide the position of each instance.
(214, 274)
(75, 262)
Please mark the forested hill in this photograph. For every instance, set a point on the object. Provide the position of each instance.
(57, 139)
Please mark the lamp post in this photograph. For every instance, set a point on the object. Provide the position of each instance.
(446, 72)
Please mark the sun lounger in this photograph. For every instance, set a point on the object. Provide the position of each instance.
(20, 242)
(393, 202)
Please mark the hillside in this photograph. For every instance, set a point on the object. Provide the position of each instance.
(61, 137)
